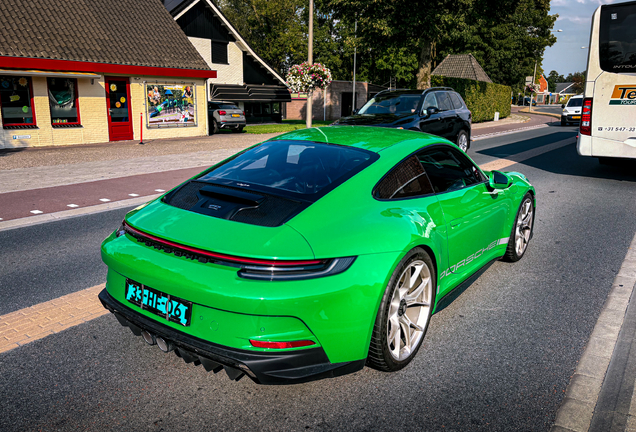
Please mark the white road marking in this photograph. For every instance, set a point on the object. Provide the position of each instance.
(104, 199)
(36, 211)
(133, 195)
(159, 190)
(72, 205)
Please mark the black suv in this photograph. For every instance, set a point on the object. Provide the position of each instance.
(439, 111)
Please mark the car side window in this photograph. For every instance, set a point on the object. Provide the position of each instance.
(444, 101)
(456, 100)
(430, 101)
(405, 180)
(448, 169)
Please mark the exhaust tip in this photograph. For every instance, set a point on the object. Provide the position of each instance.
(148, 337)
(164, 345)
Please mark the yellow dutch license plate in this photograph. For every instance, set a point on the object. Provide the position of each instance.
(236, 115)
(576, 117)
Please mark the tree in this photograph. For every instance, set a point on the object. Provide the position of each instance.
(578, 78)
(553, 79)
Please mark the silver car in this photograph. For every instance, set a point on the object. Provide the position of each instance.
(225, 115)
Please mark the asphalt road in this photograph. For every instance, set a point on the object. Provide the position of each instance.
(498, 358)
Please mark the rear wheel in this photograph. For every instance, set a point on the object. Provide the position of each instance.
(237, 129)
(215, 127)
(521, 231)
(462, 140)
(404, 313)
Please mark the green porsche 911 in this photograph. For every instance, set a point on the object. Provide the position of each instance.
(313, 253)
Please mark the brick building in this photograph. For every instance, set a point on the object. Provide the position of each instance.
(333, 103)
(95, 71)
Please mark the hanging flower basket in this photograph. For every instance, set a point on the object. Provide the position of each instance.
(533, 88)
(307, 78)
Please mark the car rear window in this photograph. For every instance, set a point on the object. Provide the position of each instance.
(575, 102)
(617, 42)
(228, 106)
(292, 167)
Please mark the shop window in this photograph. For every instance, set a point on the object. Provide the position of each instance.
(266, 108)
(219, 52)
(276, 107)
(16, 102)
(63, 102)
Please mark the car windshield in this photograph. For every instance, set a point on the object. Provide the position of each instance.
(301, 167)
(391, 103)
(575, 102)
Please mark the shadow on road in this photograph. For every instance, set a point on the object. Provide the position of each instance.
(7, 152)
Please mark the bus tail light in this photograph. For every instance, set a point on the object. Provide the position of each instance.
(586, 117)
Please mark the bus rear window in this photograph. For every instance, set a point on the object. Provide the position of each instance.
(617, 38)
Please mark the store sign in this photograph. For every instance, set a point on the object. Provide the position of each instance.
(21, 136)
(170, 105)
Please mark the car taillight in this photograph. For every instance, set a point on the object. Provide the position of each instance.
(586, 117)
(281, 345)
(222, 112)
(243, 113)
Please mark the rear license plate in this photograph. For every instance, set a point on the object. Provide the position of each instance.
(164, 305)
(576, 117)
(236, 115)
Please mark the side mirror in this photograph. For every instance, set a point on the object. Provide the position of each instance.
(431, 110)
(498, 180)
(562, 105)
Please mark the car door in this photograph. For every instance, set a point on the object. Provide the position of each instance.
(432, 124)
(449, 116)
(474, 215)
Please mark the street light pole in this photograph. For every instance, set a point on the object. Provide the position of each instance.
(533, 78)
(355, 48)
(310, 58)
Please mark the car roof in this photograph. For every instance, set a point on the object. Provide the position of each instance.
(372, 138)
(411, 91)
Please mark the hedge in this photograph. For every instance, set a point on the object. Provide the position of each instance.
(483, 99)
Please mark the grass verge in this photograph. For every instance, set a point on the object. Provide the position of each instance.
(285, 126)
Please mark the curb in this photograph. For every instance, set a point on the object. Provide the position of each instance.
(581, 396)
(66, 214)
(527, 111)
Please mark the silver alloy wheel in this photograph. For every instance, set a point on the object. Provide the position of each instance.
(462, 142)
(523, 227)
(409, 310)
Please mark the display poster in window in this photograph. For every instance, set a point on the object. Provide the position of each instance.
(170, 105)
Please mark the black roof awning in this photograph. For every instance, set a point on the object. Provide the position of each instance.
(250, 93)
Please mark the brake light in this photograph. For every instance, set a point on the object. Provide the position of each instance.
(281, 345)
(243, 113)
(586, 117)
(222, 112)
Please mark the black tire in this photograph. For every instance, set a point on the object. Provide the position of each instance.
(380, 356)
(512, 252)
(563, 122)
(463, 140)
(214, 129)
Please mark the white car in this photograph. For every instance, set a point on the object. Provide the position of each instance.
(572, 110)
(225, 115)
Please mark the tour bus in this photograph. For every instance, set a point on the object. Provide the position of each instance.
(608, 117)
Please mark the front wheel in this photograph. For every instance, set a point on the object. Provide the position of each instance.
(462, 140)
(521, 231)
(404, 313)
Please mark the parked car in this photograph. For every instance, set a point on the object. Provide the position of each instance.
(314, 253)
(525, 101)
(225, 115)
(439, 111)
(572, 110)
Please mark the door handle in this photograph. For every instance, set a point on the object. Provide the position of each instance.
(456, 222)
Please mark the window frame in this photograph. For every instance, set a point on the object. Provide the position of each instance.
(34, 124)
(462, 155)
(394, 167)
(76, 102)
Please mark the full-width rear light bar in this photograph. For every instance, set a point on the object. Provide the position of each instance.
(250, 268)
(586, 117)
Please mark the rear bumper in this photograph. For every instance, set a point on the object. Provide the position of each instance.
(262, 367)
(570, 118)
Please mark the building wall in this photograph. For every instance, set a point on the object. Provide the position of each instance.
(231, 73)
(93, 115)
(330, 107)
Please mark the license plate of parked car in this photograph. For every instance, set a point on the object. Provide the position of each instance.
(236, 115)
(164, 305)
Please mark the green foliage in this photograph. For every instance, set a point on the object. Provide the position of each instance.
(285, 126)
(482, 99)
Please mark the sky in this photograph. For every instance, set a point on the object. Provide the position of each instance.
(575, 17)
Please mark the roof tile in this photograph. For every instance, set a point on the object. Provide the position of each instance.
(461, 66)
